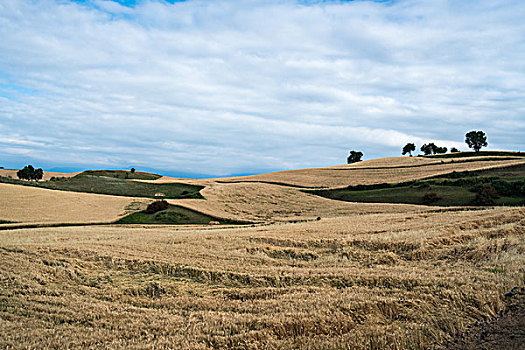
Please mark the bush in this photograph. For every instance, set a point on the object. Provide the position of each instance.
(157, 206)
(430, 197)
(486, 195)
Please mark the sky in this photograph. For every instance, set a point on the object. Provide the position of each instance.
(213, 88)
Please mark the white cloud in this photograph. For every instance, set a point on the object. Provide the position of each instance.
(220, 87)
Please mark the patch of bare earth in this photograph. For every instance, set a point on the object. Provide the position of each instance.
(505, 332)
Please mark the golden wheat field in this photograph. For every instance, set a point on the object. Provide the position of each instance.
(376, 172)
(364, 276)
(23, 204)
(267, 197)
(372, 281)
(262, 202)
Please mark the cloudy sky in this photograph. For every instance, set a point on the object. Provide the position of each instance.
(201, 88)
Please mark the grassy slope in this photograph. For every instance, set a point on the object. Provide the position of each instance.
(457, 191)
(122, 174)
(114, 186)
(174, 215)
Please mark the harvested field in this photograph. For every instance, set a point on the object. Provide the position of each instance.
(372, 281)
(262, 202)
(391, 170)
(24, 204)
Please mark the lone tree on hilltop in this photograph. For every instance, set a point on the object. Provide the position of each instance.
(476, 140)
(454, 150)
(29, 173)
(354, 157)
(132, 170)
(409, 148)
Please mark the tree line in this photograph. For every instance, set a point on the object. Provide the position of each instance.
(474, 139)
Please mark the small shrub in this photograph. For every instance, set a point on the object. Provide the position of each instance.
(157, 206)
(430, 197)
(486, 195)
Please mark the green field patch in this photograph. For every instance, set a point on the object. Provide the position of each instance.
(174, 215)
(114, 186)
(453, 189)
(121, 174)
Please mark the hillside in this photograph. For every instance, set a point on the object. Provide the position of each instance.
(270, 197)
(310, 272)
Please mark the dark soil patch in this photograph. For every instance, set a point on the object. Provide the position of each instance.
(507, 332)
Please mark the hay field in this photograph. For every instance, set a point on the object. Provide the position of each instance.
(261, 202)
(24, 204)
(371, 281)
(251, 199)
(389, 170)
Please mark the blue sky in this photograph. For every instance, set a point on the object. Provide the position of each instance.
(207, 88)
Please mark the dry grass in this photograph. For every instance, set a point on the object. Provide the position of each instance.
(374, 281)
(249, 198)
(389, 170)
(261, 202)
(36, 205)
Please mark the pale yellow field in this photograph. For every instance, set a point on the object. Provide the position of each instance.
(373, 281)
(24, 204)
(392, 171)
(261, 202)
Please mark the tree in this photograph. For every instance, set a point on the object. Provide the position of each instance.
(409, 148)
(454, 150)
(428, 149)
(26, 173)
(38, 174)
(29, 173)
(355, 156)
(440, 150)
(133, 170)
(476, 140)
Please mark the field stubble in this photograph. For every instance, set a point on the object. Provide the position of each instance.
(23, 204)
(374, 281)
